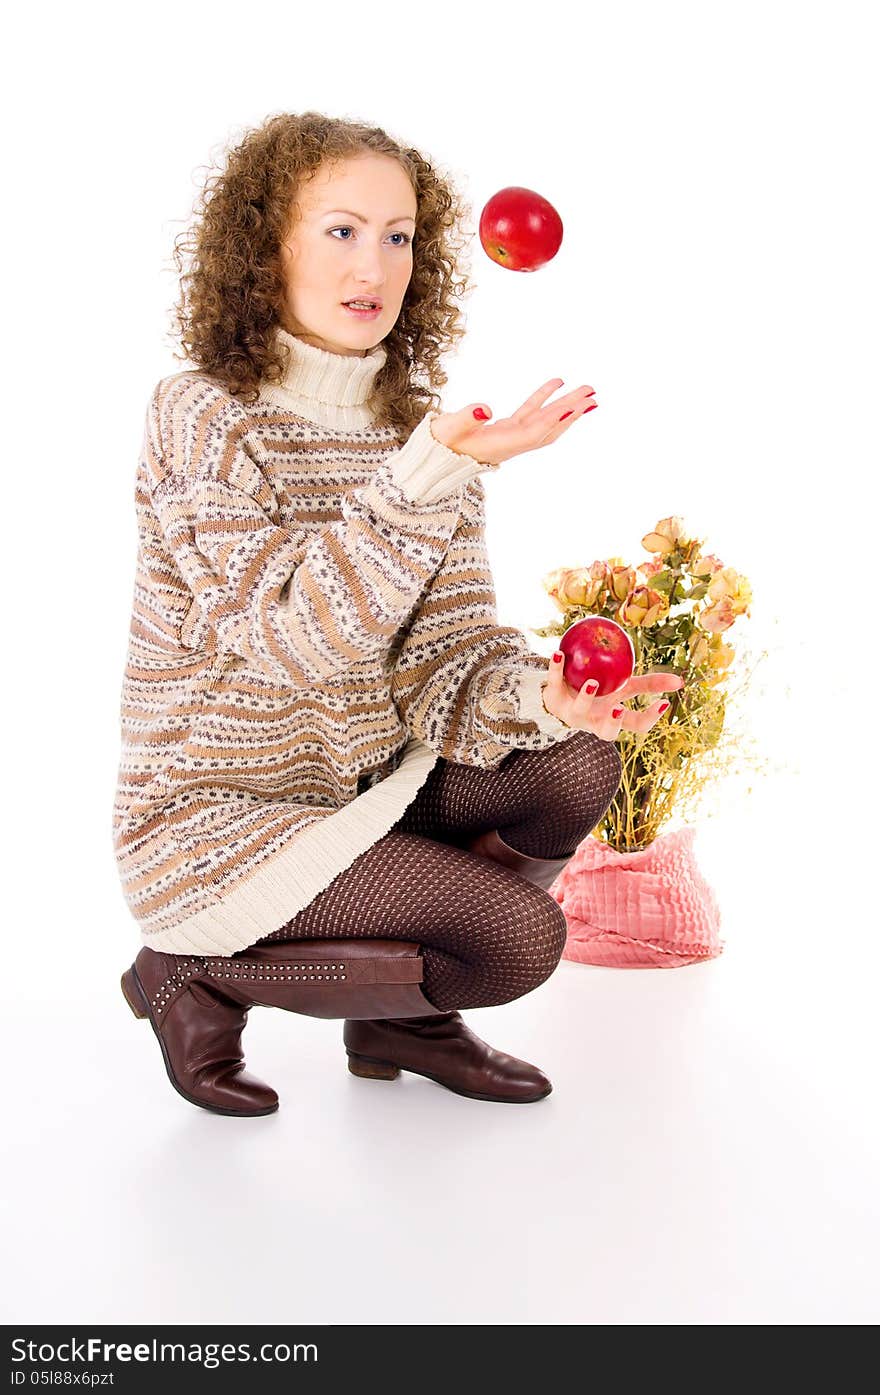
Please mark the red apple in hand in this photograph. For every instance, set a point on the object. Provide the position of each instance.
(597, 648)
(519, 229)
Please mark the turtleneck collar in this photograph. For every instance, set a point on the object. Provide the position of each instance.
(323, 387)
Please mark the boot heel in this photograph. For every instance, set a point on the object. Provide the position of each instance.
(368, 1069)
(133, 994)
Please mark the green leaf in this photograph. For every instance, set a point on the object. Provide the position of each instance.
(662, 582)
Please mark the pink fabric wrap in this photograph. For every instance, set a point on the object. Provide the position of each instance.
(638, 910)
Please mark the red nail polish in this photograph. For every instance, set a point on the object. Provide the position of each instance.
(557, 658)
(480, 414)
(590, 409)
(565, 414)
(663, 707)
(617, 712)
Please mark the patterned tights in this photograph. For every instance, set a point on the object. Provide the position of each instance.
(488, 935)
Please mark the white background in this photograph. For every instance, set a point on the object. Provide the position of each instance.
(709, 1152)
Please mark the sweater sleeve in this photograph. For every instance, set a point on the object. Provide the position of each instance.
(469, 688)
(303, 602)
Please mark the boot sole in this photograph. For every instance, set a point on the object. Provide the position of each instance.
(135, 995)
(369, 1068)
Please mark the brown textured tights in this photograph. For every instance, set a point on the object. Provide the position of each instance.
(488, 935)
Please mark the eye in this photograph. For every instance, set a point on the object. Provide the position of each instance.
(345, 227)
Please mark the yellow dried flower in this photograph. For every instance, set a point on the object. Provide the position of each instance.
(727, 583)
(642, 607)
(622, 580)
(553, 583)
(717, 617)
(705, 566)
(698, 648)
(668, 534)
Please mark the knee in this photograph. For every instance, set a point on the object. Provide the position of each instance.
(552, 938)
(600, 760)
(594, 771)
(531, 946)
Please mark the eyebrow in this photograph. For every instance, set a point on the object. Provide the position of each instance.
(404, 218)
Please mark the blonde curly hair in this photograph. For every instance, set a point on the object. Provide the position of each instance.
(232, 295)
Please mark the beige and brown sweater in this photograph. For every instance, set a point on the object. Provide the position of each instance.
(313, 624)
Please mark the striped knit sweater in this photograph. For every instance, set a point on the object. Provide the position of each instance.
(313, 625)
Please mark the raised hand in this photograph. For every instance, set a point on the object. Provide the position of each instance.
(531, 426)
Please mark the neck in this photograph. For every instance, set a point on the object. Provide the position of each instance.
(323, 387)
(310, 339)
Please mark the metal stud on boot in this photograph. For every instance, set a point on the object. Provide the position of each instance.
(543, 871)
(327, 978)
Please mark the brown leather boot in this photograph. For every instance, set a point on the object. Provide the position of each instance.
(543, 871)
(444, 1049)
(197, 1005)
(199, 1030)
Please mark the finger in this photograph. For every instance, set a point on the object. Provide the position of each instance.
(606, 727)
(556, 670)
(537, 398)
(466, 415)
(564, 420)
(582, 396)
(651, 683)
(585, 701)
(645, 718)
(563, 685)
(530, 408)
(519, 433)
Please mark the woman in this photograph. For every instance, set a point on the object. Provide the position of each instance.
(328, 741)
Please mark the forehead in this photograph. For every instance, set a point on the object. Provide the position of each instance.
(366, 183)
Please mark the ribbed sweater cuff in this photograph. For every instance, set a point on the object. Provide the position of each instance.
(530, 685)
(426, 470)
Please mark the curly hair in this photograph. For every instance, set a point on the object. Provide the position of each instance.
(232, 295)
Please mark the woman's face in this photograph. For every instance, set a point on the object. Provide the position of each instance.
(330, 256)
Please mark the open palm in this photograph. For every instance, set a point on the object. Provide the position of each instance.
(528, 428)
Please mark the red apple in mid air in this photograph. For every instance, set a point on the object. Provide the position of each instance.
(519, 229)
(597, 648)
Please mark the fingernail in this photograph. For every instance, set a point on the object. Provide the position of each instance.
(592, 685)
(663, 707)
(617, 711)
(590, 409)
(557, 658)
(565, 414)
(480, 414)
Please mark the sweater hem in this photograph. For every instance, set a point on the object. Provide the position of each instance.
(284, 885)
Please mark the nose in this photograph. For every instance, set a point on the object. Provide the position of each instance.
(371, 269)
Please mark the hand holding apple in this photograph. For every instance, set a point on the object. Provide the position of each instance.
(531, 426)
(605, 716)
